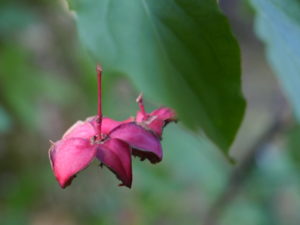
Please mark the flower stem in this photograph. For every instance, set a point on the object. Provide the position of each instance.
(99, 119)
(140, 102)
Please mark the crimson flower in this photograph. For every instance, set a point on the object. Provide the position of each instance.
(111, 142)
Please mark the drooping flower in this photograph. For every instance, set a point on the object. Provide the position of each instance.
(111, 142)
(156, 120)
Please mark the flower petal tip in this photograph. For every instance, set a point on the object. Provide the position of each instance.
(63, 183)
(68, 157)
(164, 113)
(115, 154)
(124, 185)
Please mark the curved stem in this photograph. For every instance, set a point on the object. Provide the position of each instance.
(99, 119)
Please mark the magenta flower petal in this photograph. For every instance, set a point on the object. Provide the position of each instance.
(156, 126)
(165, 114)
(116, 155)
(139, 117)
(108, 124)
(68, 157)
(143, 142)
(80, 130)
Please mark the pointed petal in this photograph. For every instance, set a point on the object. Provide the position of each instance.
(144, 143)
(80, 130)
(165, 114)
(108, 124)
(68, 157)
(116, 155)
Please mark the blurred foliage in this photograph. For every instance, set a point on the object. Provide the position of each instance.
(278, 25)
(22, 85)
(47, 82)
(171, 47)
(5, 121)
(14, 17)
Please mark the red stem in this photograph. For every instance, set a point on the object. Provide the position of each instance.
(99, 119)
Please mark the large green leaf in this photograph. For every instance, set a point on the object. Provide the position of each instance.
(180, 53)
(278, 25)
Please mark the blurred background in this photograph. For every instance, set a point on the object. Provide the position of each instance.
(48, 81)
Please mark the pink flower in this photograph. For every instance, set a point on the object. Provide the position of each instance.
(156, 120)
(111, 142)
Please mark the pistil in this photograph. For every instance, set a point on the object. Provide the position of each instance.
(140, 102)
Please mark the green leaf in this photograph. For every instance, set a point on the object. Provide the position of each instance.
(293, 144)
(180, 53)
(278, 25)
(5, 120)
